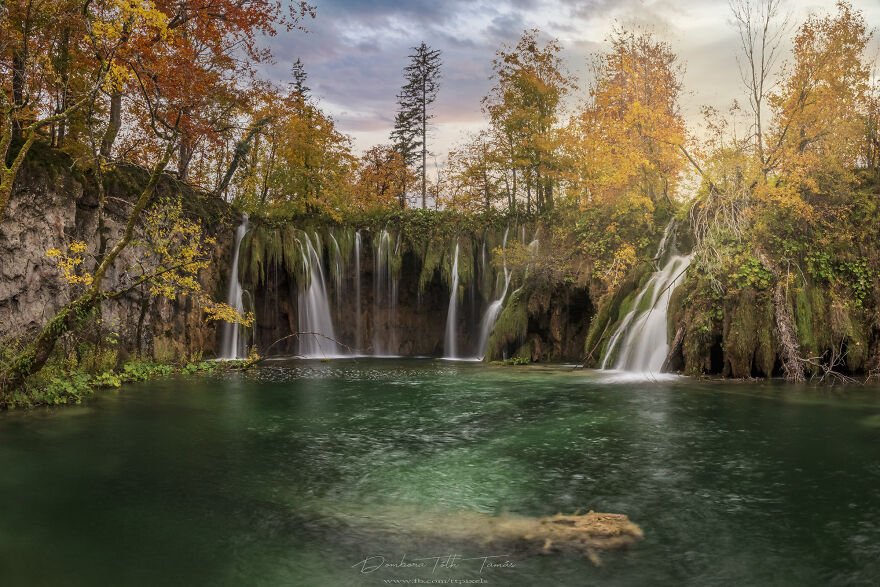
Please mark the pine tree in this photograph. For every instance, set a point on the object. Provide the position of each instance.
(410, 134)
(298, 85)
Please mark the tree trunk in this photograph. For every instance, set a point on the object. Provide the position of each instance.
(674, 351)
(9, 172)
(114, 123)
(184, 156)
(513, 204)
(19, 62)
(63, 67)
(34, 357)
(424, 143)
(528, 196)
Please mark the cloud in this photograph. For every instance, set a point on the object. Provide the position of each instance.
(355, 51)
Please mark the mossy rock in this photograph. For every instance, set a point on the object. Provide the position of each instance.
(748, 334)
(511, 327)
(612, 308)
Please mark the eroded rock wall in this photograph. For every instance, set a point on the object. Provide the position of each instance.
(52, 205)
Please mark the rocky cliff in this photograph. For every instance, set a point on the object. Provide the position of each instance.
(52, 205)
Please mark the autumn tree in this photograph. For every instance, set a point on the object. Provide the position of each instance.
(628, 137)
(381, 177)
(413, 118)
(821, 103)
(762, 26)
(50, 67)
(524, 109)
(474, 176)
(163, 60)
(300, 162)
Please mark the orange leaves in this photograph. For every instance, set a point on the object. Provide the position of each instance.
(381, 179)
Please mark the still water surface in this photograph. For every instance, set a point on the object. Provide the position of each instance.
(296, 472)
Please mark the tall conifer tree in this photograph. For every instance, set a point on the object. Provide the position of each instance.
(410, 134)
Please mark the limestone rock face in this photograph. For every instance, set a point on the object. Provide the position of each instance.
(52, 206)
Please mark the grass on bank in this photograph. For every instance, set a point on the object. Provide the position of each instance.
(76, 374)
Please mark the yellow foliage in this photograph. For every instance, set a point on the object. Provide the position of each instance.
(624, 259)
(174, 250)
(70, 263)
(627, 137)
(822, 101)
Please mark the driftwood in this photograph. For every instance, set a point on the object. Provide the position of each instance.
(674, 349)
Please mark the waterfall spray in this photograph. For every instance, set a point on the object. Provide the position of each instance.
(494, 309)
(234, 344)
(314, 307)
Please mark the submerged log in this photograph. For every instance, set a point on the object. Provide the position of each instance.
(585, 534)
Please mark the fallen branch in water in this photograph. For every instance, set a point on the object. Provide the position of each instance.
(294, 335)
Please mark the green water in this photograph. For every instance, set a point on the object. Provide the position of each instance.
(293, 474)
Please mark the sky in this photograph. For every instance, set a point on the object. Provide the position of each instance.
(355, 50)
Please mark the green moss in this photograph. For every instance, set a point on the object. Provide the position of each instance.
(612, 308)
(749, 333)
(511, 327)
(432, 256)
(700, 314)
(849, 329)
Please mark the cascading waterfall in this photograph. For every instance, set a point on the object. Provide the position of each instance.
(234, 344)
(357, 290)
(317, 338)
(640, 341)
(494, 309)
(329, 287)
(450, 346)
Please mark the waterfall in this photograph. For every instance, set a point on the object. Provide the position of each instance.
(449, 343)
(357, 290)
(338, 270)
(314, 307)
(640, 341)
(385, 297)
(234, 344)
(494, 309)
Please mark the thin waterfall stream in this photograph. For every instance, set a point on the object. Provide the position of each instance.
(234, 344)
(450, 343)
(357, 291)
(494, 309)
